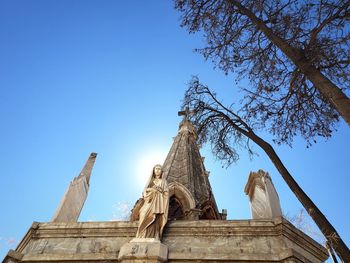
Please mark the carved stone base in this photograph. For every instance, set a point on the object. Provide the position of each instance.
(143, 250)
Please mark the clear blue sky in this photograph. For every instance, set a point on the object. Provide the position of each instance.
(108, 77)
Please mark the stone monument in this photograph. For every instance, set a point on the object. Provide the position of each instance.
(195, 230)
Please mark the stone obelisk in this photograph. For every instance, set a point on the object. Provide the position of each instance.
(75, 196)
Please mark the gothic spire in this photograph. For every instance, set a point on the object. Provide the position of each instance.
(191, 195)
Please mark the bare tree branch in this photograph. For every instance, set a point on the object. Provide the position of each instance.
(296, 54)
(227, 131)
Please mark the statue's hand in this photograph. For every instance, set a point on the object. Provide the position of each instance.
(159, 189)
(150, 190)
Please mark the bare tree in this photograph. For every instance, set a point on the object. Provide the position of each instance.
(226, 130)
(294, 52)
(302, 222)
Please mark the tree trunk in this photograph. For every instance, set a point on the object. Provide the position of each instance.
(321, 221)
(331, 253)
(328, 89)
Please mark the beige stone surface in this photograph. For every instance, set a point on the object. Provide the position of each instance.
(143, 250)
(187, 241)
(263, 197)
(74, 198)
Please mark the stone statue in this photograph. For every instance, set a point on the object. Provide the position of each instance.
(154, 211)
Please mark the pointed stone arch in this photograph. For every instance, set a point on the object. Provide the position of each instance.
(176, 210)
(181, 201)
(208, 211)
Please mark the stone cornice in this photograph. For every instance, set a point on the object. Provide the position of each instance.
(277, 229)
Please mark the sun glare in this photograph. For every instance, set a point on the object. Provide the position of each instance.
(146, 163)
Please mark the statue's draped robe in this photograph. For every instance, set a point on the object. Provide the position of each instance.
(154, 211)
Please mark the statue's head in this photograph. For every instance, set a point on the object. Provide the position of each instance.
(157, 171)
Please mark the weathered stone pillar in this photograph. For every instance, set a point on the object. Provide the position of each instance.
(264, 201)
(143, 250)
(73, 200)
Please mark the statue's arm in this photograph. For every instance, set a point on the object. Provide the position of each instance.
(148, 192)
(166, 189)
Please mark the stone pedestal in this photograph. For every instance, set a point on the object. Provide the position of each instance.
(143, 250)
(243, 241)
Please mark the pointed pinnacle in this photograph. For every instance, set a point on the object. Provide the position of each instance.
(87, 169)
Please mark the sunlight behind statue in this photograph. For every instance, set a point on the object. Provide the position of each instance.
(154, 211)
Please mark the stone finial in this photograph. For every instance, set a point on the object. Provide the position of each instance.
(223, 214)
(264, 201)
(76, 194)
